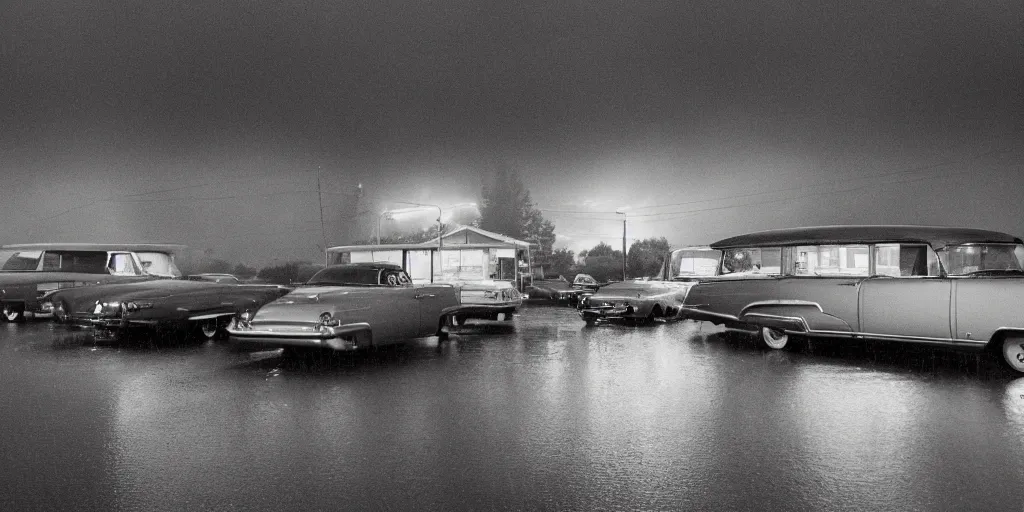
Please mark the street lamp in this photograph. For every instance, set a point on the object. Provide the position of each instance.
(385, 213)
(622, 211)
(439, 215)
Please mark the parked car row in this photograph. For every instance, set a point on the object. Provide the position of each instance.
(953, 287)
(112, 289)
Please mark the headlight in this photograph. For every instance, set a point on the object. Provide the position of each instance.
(328, 320)
(135, 306)
(245, 317)
(107, 309)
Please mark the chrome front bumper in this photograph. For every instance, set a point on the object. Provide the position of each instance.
(326, 337)
(606, 312)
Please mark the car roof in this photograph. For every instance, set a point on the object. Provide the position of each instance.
(376, 265)
(936, 236)
(168, 248)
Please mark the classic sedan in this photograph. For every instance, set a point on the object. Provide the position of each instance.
(557, 288)
(353, 306)
(202, 307)
(952, 287)
(494, 300)
(643, 301)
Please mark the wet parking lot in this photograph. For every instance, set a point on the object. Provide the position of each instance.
(545, 413)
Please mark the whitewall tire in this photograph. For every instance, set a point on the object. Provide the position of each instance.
(1013, 353)
(774, 338)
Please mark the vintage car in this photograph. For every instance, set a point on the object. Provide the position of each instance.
(953, 287)
(555, 287)
(29, 273)
(352, 306)
(498, 300)
(203, 307)
(643, 301)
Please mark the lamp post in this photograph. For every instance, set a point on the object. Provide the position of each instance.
(383, 214)
(623, 213)
(439, 215)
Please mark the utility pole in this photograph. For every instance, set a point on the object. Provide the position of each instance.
(623, 246)
(323, 231)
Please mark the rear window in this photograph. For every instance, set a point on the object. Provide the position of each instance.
(20, 260)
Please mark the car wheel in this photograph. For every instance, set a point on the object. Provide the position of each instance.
(1013, 353)
(210, 329)
(13, 313)
(774, 338)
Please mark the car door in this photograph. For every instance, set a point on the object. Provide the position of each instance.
(432, 299)
(397, 313)
(907, 297)
(829, 276)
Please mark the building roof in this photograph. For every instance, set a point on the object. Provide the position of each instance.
(499, 241)
(168, 248)
(936, 236)
(498, 237)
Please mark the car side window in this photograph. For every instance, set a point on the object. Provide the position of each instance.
(829, 260)
(905, 260)
(121, 264)
(753, 261)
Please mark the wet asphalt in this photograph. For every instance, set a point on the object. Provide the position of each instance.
(542, 414)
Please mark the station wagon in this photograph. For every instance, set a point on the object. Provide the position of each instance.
(954, 287)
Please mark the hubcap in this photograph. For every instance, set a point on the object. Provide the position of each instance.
(774, 338)
(210, 328)
(1013, 353)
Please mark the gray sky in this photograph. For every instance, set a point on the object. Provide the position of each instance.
(734, 116)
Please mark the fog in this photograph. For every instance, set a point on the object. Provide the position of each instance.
(209, 124)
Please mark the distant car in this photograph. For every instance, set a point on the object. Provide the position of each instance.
(215, 278)
(645, 300)
(555, 287)
(353, 306)
(498, 300)
(952, 287)
(30, 273)
(202, 307)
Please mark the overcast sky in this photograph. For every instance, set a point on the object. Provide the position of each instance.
(703, 119)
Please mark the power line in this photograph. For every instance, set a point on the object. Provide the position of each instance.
(682, 214)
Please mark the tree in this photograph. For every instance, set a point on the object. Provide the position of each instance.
(645, 257)
(562, 262)
(603, 263)
(506, 208)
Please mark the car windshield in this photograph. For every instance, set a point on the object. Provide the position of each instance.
(158, 264)
(960, 260)
(19, 260)
(689, 263)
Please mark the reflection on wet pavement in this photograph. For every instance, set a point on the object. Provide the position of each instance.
(550, 414)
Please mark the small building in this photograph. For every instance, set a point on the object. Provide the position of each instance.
(465, 254)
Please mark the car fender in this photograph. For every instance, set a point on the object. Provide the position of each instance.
(792, 316)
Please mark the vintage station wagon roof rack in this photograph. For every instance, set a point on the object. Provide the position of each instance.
(936, 236)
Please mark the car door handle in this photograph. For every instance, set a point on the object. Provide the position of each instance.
(425, 296)
(855, 283)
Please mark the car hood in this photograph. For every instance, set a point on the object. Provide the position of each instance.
(165, 291)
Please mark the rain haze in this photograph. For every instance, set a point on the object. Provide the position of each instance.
(208, 123)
